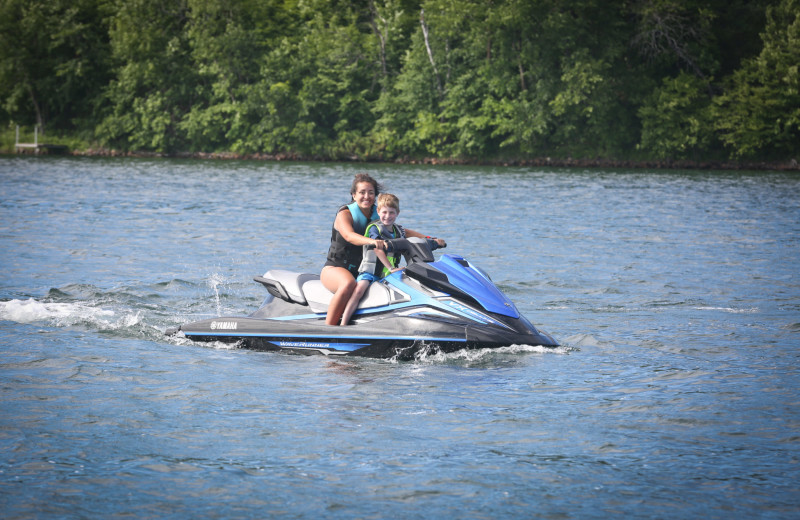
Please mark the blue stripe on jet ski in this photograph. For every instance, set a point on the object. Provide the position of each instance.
(319, 344)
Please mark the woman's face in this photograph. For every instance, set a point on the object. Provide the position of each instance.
(364, 195)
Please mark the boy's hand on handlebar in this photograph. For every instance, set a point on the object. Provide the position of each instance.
(441, 242)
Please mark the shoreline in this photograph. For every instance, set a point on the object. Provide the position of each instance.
(666, 164)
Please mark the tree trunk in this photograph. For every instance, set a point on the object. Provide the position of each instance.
(518, 47)
(381, 35)
(430, 52)
(39, 118)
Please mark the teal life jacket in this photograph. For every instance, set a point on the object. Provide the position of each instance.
(359, 220)
(370, 262)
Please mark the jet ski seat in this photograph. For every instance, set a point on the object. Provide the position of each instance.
(307, 289)
(286, 285)
(319, 297)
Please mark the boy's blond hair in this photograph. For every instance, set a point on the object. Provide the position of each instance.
(387, 199)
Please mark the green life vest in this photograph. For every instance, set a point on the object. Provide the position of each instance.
(370, 262)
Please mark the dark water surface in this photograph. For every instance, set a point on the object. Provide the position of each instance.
(675, 294)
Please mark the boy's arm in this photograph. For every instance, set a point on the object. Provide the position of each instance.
(382, 257)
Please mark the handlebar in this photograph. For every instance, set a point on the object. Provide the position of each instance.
(413, 249)
(399, 245)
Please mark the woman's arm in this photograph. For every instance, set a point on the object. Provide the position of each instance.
(412, 233)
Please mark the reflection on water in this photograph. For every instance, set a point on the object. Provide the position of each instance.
(674, 294)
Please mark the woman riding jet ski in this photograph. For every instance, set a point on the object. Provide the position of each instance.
(447, 305)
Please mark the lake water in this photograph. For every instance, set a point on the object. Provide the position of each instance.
(675, 295)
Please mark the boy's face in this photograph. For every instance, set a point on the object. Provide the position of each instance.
(387, 215)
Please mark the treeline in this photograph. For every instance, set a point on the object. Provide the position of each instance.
(389, 79)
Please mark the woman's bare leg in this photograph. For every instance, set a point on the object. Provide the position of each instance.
(341, 283)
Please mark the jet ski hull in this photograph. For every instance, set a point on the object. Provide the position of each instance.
(404, 339)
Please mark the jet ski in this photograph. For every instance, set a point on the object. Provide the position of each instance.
(431, 305)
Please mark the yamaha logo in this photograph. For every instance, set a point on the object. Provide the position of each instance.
(224, 325)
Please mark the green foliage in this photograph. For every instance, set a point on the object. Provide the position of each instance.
(155, 81)
(675, 33)
(228, 40)
(382, 79)
(759, 113)
(53, 61)
(676, 118)
(413, 92)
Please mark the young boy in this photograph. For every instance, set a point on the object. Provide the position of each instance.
(370, 270)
